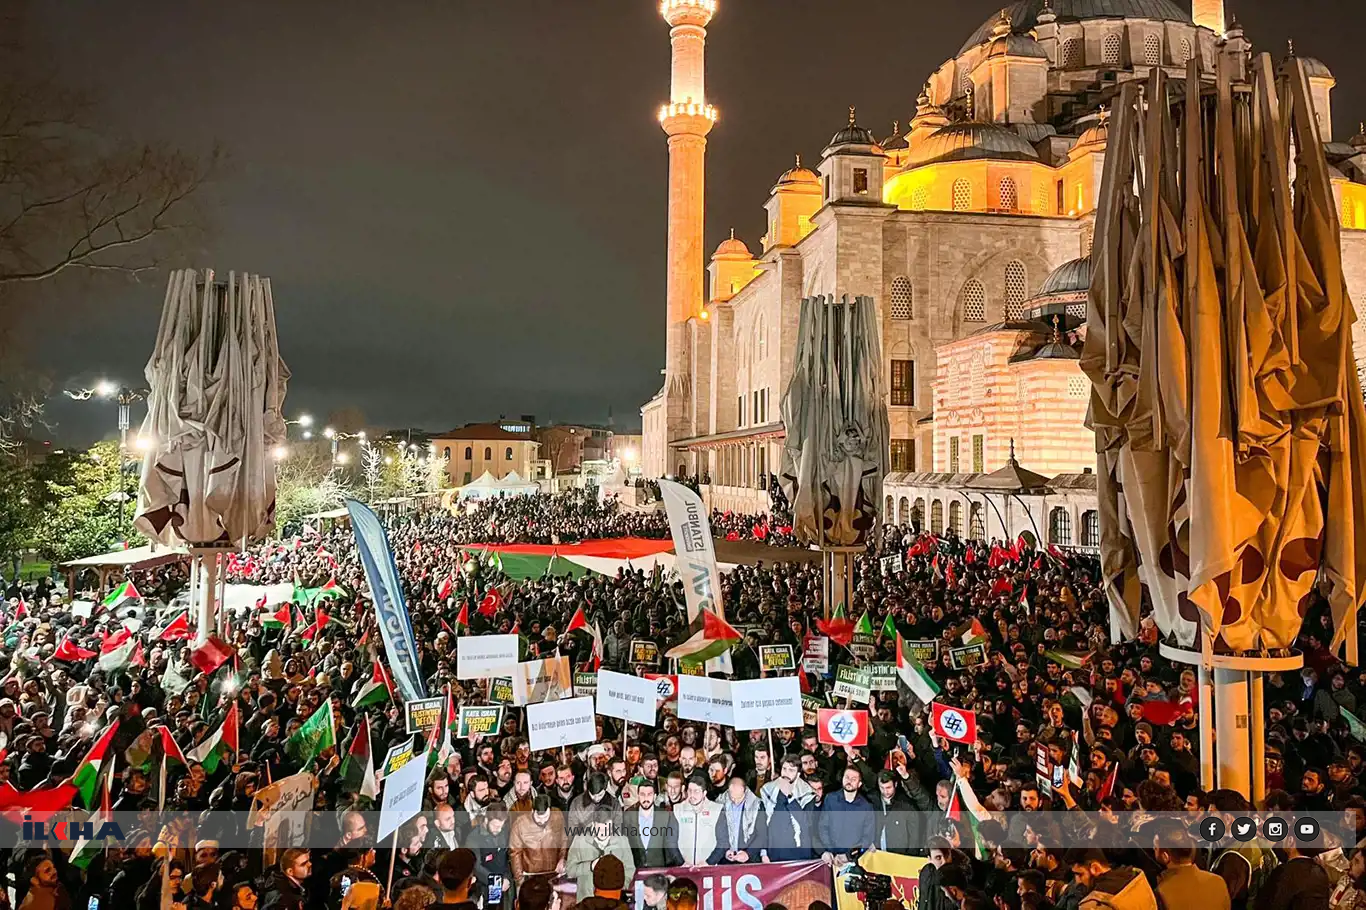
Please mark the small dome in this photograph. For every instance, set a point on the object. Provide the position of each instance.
(895, 142)
(1358, 141)
(1316, 68)
(1016, 46)
(732, 248)
(1056, 350)
(1069, 278)
(969, 140)
(852, 134)
(797, 176)
(1094, 138)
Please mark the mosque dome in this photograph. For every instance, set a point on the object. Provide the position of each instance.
(895, 142)
(1094, 137)
(797, 177)
(852, 134)
(1013, 45)
(1358, 141)
(1315, 68)
(733, 249)
(1071, 277)
(1024, 14)
(970, 140)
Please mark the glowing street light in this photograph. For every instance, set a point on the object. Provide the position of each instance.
(280, 453)
(340, 458)
(106, 388)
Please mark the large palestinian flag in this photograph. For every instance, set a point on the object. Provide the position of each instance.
(521, 561)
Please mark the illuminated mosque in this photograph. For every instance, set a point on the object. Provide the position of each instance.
(971, 228)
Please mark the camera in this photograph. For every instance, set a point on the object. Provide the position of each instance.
(874, 887)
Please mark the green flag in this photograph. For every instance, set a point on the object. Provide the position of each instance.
(888, 627)
(314, 736)
(1355, 728)
(865, 625)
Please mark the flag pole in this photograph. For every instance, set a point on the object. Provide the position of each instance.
(393, 855)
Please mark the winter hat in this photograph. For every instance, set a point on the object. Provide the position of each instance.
(609, 876)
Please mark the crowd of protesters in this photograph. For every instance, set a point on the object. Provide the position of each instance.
(502, 824)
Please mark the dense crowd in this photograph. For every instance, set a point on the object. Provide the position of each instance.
(504, 825)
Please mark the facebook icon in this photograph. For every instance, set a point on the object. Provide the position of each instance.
(1211, 829)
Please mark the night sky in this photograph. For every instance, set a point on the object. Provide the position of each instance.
(461, 204)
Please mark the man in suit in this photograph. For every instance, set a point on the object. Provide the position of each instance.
(647, 829)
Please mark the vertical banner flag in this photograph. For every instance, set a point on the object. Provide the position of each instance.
(695, 559)
(386, 590)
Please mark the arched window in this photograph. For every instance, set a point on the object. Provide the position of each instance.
(962, 196)
(488, 453)
(918, 513)
(1060, 527)
(956, 518)
(1184, 56)
(1090, 528)
(903, 511)
(446, 453)
(1016, 289)
(1152, 50)
(469, 453)
(1110, 48)
(976, 530)
(920, 199)
(887, 509)
(972, 302)
(1072, 52)
(1010, 197)
(937, 517)
(507, 454)
(903, 300)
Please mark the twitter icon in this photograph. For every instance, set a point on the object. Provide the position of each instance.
(1244, 829)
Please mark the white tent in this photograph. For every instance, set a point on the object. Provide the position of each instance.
(486, 486)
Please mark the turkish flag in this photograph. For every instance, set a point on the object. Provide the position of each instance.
(842, 728)
(957, 725)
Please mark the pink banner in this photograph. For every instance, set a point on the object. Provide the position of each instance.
(749, 887)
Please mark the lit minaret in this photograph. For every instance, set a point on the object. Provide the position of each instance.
(687, 119)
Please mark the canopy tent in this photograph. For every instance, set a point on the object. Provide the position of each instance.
(144, 557)
(329, 515)
(486, 486)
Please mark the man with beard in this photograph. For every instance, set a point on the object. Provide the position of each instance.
(648, 829)
(762, 772)
(597, 842)
(846, 820)
(438, 791)
(593, 802)
(695, 823)
(537, 843)
(739, 826)
(616, 777)
(893, 819)
(787, 806)
(477, 801)
(519, 798)
(687, 761)
(562, 794)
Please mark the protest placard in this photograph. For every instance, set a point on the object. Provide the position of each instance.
(402, 797)
(542, 680)
(862, 646)
(500, 690)
(482, 656)
(816, 654)
(482, 720)
(585, 683)
(566, 722)
(704, 699)
(968, 656)
(644, 651)
(423, 714)
(396, 758)
(882, 677)
(811, 706)
(776, 658)
(761, 704)
(853, 683)
(923, 649)
(626, 697)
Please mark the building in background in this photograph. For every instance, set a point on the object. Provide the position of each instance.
(971, 228)
(498, 448)
(566, 447)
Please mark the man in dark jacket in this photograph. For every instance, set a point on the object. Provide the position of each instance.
(787, 808)
(846, 820)
(285, 887)
(893, 816)
(489, 842)
(648, 830)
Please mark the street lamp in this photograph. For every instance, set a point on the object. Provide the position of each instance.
(107, 389)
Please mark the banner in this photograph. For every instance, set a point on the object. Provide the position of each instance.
(862, 646)
(750, 887)
(396, 758)
(253, 597)
(626, 697)
(644, 652)
(903, 870)
(422, 715)
(694, 552)
(923, 649)
(853, 683)
(402, 798)
(282, 808)
(882, 677)
(386, 589)
(761, 704)
(969, 656)
(500, 690)
(705, 699)
(547, 679)
(567, 722)
(482, 656)
(816, 654)
(480, 720)
(776, 658)
(585, 683)
(891, 564)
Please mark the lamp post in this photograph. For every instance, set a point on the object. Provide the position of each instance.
(305, 421)
(124, 397)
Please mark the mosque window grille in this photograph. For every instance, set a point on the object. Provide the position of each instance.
(937, 517)
(973, 302)
(979, 457)
(1185, 53)
(953, 458)
(903, 298)
(488, 453)
(1072, 52)
(1076, 386)
(803, 226)
(1077, 309)
(1090, 528)
(1152, 50)
(1010, 197)
(920, 198)
(976, 530)
(956, 518)
(1040, 198)
(1017, 289)
(962, 195)
(1060, 527)
(1111, 48)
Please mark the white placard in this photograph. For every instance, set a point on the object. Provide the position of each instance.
(402, 796)
(482, 656)
(248, 597)
(82, 608)
(626, 697)
(547, 679)
(567, 722)
(705, 699)
(761, 704)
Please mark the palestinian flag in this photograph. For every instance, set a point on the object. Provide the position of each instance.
(221, 744)
(320, 619)
(358, 768)
(86, 778)
(139, 659)
(462, 619)
(446, 627)
(316, 734)
(446, 587)
(117, 650)
(576, 622)
(70, 652)
(448, 731)
(155, 742)
(21, 608)
(913, 675)
(974, 633)
(172, 682)
(377, 691)
(178, 629)
(955, 813)
(865, 625)
(211, 655)
(715, 638)
(597, 646)
(1068, 660)
(1111, 781)
(125, 591)
(87, 848)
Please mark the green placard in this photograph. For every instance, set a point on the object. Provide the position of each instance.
(811, 707)
(776, 658)
(483, 720)
(500, 690)
(853, 683)
(644, 651)
(585, 683)
(883, 677)
(923, 649)
(970, 656)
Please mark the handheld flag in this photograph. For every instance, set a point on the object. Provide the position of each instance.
(178, 629)
(358, 768)
(865, 625)
(913, 674)
(577, 621)
(957, 725)
(218, 745)
(378, 690)
(714, 638)
(316, 734)
(839, 727)
(492, 601)
(211, 655)
(71, 652)
(125, 591)
(462, 619)
(888, 628)
(87, 773)
(445, 590)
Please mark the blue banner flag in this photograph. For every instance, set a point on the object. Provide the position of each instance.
(387, 592)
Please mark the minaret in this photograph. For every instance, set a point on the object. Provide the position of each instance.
(1210, 14)
(687, 119)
